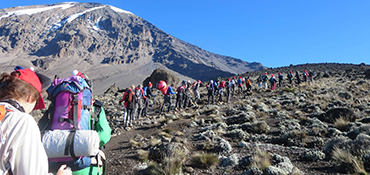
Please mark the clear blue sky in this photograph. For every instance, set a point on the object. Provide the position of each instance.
(274, 32)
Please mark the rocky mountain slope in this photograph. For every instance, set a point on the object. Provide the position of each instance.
(107, 43)
(319, 127)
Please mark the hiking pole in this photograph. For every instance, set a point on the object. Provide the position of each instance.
(151, 106)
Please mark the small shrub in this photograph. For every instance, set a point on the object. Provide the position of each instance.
(154, 142)
(260, 127)
(164, 134)
(135, 144)
(346, 162)
(287, 89)
(168, 130)
(260, 159)
(341, 123)
(204, 160)
(142, 155)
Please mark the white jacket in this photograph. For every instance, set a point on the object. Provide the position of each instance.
(21, 149)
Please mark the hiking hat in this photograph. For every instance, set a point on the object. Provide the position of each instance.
(38, 81)
(199, 81)
(150, 84)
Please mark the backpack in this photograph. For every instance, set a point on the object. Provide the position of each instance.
(66, 125)
(138, 93)
(281, 77)
(272, 79)
(264, 78)
(128, 97)
(145, 89)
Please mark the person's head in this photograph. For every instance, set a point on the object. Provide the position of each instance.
(199, 81)
(133, 87)
(139, 86)
(211, 81)
(150, 84)
(24, 86)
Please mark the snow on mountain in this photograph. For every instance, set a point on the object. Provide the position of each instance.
(119, 10)
(32, 11)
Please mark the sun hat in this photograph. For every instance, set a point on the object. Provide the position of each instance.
(38, 81)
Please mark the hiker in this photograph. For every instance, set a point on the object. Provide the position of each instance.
(297, 77)
(248, 84)
(305, 75)
(101, 126)
(180, 97)
(21, 149)
(167, 99)
(211, 92)
(228, 89)
(187, 94)
(311, 75)
(148, 93)
(240, 84)
(221, 90)
(129, 99)
(196, 87)
(265, 78)
(233, 84)
(273, 82)
(290, 77)
(281, 78)
(140, 98)
(259, 80)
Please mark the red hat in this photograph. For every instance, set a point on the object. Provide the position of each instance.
(272, 75)
(199, 81)
(279, 73)
(228, 79)
(150, 84)
(32, 78)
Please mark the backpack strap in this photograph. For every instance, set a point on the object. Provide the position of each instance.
(75, 111)
(69, 149)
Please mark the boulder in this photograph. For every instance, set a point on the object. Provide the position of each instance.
(367, 74)
(112, 90)
(159, 75)
(332, 114)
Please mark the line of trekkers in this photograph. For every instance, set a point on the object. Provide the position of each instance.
(137, 99)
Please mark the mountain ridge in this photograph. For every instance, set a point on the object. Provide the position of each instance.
(94, 36)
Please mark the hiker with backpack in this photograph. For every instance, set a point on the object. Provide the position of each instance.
(228, 89)
(240, 84)
(187, 94)
(140, 98)
(221, 88)
(281, 78)
(167, 99)
(290, 77)
(248, 84)
(148, 93)
(311, 75)
(305, 75)
(211, 92)
(129, 100)
(196, 87)
(298, 77)
(180, 97)
(273, 82)
(265, 78)
(259, 80)
(21, 149)
(76, 121)
(233, 84)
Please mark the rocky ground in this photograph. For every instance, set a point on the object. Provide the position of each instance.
(319, 127)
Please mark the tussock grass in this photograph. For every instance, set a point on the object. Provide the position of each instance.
(204, 160)
(261, 159)
(288, 89)
(142, 155)
(341, 123)
(346, 162)
(170, 165)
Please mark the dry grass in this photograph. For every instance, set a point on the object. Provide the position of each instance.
(341, 123)
(260, 159)
(204, 160)
(164, 134)
(260, 127)
(346, 162)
